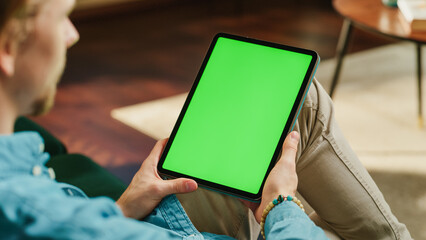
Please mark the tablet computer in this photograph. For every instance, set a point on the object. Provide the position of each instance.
(243, 103)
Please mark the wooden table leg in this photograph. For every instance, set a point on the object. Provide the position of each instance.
(419, 82)
(342, 47)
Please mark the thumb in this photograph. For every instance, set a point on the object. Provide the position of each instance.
(290, 146)
(180, 185)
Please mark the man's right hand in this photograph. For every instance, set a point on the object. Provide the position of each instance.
(282, 179)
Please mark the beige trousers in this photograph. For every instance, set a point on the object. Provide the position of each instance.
(345, 200)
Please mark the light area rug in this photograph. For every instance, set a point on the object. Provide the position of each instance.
(155, 118)
(376, 108)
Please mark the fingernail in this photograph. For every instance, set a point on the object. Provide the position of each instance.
(294, 136)
(189, 186)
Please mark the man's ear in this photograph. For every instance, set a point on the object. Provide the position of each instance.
(8, 50)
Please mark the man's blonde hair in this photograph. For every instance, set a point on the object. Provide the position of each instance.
(16, 16)
(10, 9)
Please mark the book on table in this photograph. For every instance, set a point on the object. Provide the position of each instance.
(414, 13)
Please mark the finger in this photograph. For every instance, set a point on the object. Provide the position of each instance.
(180, 185)
(155, 154)
(159, 146)
(290, 147)
(251, 205)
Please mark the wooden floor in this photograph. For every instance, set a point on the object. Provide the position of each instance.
(144, 53)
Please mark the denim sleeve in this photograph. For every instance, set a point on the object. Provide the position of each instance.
(287, 221)
(38, 209)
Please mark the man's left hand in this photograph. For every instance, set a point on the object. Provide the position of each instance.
(147, 188)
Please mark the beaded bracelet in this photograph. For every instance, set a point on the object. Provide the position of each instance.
(272, 204)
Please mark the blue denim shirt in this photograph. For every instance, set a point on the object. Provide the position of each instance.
(34, 205)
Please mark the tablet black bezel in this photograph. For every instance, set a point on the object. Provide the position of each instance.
(289, 125)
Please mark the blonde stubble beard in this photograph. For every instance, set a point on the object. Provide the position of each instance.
(44, 104)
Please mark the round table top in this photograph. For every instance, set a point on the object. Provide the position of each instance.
(373, 15)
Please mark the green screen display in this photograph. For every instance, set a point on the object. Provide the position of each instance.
(237, 114)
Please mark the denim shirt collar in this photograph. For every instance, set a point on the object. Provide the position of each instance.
(23, 154)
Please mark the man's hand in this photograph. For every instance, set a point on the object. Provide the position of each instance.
(282, 179)
(147, 189)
